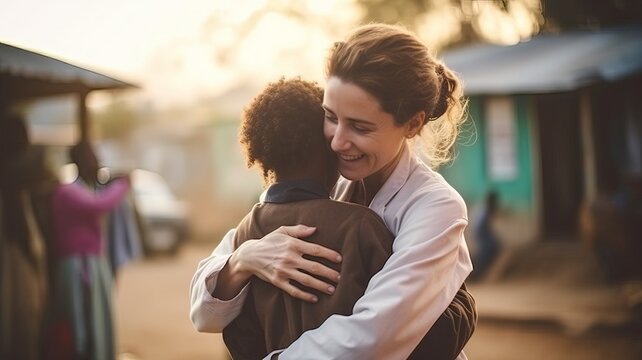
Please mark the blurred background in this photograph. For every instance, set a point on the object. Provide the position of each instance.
(550, 158)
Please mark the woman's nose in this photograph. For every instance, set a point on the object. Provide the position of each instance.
(340, 140)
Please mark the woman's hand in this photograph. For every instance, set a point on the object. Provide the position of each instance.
(277, 258)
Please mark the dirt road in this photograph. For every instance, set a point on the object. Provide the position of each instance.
(152, 306)
(153, 323)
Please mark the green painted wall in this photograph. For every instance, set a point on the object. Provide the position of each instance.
(468, 173)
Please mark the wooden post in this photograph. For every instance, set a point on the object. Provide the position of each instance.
(83, 119)
(588, 146)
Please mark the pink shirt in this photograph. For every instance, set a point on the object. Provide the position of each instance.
(77, 212)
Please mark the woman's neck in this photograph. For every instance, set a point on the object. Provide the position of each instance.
(371, 185)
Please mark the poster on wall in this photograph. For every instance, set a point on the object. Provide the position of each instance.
(501, 139)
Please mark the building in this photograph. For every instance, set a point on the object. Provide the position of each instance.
(555, 124)
(29, 79)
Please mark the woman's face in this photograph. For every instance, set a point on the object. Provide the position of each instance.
(366, 139)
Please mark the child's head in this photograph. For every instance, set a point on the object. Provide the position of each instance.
(282, 133)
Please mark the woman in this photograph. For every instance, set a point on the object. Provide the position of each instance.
(23, 266)
(383, 89)
(83, 282)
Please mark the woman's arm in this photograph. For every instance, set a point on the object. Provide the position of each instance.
(218, 286)
(450, 333)
(208, 313)
(85, 201)
(277, 259)
(429, 264)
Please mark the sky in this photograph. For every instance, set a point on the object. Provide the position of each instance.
(117, 35)
(177, 50)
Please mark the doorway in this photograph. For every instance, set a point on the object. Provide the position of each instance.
(561, 163)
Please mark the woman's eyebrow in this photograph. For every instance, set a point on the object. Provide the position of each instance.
(360, 121)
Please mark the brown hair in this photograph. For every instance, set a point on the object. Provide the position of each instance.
(395, 67)
(282, 128)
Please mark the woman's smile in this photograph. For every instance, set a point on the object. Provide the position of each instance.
(350, 157)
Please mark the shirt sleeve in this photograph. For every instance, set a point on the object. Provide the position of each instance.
(429, 263)
(102, 201)
(208, 313)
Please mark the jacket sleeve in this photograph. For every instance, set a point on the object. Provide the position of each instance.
(208, 313)
(85, 201)
(375, 243)
(429, 264)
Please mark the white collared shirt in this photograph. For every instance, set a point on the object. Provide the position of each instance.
(429, 263)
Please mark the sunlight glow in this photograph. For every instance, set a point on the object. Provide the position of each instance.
(437, 28)
(506, 28)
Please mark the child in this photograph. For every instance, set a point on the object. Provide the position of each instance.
(282, 133)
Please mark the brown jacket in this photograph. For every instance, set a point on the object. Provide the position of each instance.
(271, 319)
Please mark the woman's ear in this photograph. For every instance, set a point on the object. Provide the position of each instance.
(414, 125)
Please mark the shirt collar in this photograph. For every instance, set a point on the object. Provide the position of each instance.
(297, 190)
(395, 182)
(407, 163)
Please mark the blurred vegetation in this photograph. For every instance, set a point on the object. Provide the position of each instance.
(547, 15)
(397, 11)
(442, 23)
(470, 14)
(556, 14)
(574, 14)
(116, 121)
(550, 15)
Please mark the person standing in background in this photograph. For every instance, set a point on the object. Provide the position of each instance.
(24, 176)
(488, 245)
(83, 280)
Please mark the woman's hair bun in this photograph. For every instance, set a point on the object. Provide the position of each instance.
(448, 85)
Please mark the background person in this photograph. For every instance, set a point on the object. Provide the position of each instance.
(25, 179)
(488, 245)
(83, 282)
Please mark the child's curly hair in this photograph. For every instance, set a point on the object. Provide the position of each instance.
(282, 128)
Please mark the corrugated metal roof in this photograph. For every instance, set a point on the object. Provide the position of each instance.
(549, 63)
(24, 73)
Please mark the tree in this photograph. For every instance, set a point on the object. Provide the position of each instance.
(476, 17)
(574, 14)
(501, 21)
(116, 121)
